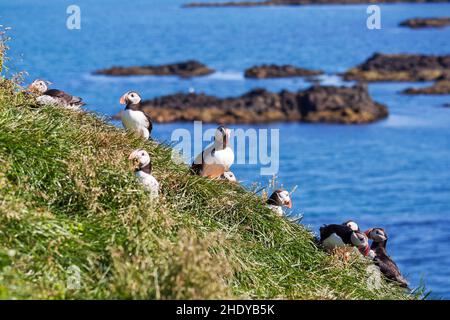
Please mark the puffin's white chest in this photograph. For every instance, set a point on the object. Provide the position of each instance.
(136, 121)
(47, 100)
(149, 182)
(277, 209)
(333, 241)
(217, 162)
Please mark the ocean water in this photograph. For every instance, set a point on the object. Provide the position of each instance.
(393, 174)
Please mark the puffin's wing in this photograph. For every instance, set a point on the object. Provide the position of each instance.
(149, 120)
(390, 270)
(59, 94)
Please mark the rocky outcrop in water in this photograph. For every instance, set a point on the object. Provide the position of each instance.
(439, 87)
(418, 23)
(401, 67)
(275, 71)
(347, 105)
(297, 2)
(191, 68)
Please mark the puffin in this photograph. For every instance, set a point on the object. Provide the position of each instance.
(337, 235)
(382, 260)
(279, 199)
(54, 96)
(217, 158)
(352, 225)
(144, 171)
(228, 176)
(134, 118)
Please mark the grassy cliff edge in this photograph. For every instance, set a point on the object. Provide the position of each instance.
(69, 203)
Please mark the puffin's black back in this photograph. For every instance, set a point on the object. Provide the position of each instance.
(388, 267)
(342, 231)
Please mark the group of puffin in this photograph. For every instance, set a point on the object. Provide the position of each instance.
(214, 162)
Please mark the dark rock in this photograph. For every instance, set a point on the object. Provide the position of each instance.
(189, 68)
(297, 2)
(401, 67)
(439, 87)
(317, 104)
(417, 23)
(274, 71)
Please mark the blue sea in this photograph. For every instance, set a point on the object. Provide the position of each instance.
(393, 174)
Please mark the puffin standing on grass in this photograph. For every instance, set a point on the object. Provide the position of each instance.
(54, 96)
(216, 159)
(134, 118)
(387, 266)
(278, 200)
(337, 235)
(144, 171)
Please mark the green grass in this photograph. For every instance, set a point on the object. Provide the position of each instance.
(68, 197)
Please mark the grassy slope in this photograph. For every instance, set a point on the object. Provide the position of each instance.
(68, 197)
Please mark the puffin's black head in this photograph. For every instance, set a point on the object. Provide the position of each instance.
(222, 135)
(131, 97)
(352, 225)
(376, 234)
(280, 198)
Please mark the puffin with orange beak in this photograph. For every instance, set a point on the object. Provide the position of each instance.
(134, 118)
(217, 158)
(143, 171)
(54, 97)
(278, 200)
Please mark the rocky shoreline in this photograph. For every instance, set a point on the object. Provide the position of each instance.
(401, 67)
(318, 104)
(186, 69)
(439, 87)
(298, 2)
(418, 23)
(279, 71)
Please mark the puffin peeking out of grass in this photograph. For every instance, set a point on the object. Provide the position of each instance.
(228, 176)
(54, 96)
(217, 158)
(278, 200)
(143, 171)
(337, 235)
(134, 118)
(387, 266)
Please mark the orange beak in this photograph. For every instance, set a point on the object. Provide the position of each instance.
(122, 99)
(289, 204)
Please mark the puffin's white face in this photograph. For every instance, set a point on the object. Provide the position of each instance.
(131, 97)
(39, 86)
(222, 135)
(359, 239)
(285, 198)
(140, 157)
(352, 225)
(377, 234)
(228, 175)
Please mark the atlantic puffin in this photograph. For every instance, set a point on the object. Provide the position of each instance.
(217, 158)
(279, 199)
(54, 96)
(387, 266)
(134, 118)
(228, 176)
(337, 235)
(143, 171)
(352, 225)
